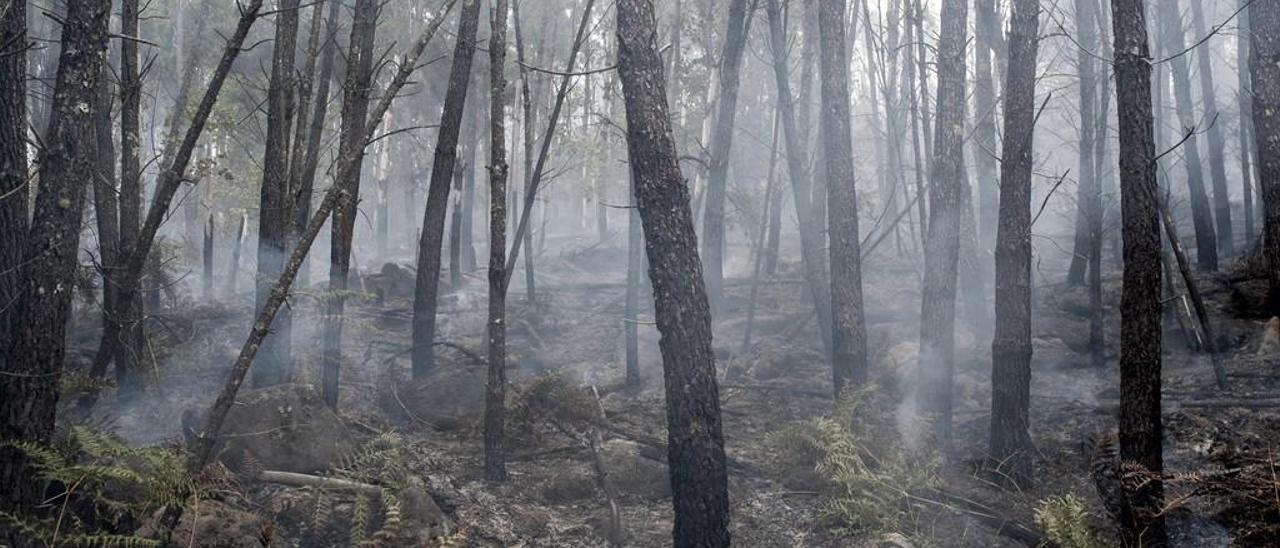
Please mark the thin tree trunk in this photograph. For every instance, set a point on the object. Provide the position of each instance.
(33, 361)
(527, 140)
(303, 181)
(170, 180)
(635, 275)
(13, 162)
(207, 255)
(1140, 360)
(107, 212)
(202, 452)
(984, 136)
(495, 456)
(713, 233)
(1245, 104)
(233, 273)
(810, 244)
(1011, 449)
(942, 243)
(849, 333)
(1172, 35)
(1217, 143)
(1088, 188)
(763, 254)
(355, 110)
(446, 155)
(273, 211)
(1264, 41)
(531, 191)
(699, 479)
(455, 217)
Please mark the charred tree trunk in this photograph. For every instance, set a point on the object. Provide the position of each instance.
(303, 181)
(1089, 191)
(1244, 101)
(107, 212)
(942, 242)
(810, 244)
(455, 219)
(1011, 347)
(1140, 361)
(1264, 68)
(13, 161)
(33, 359)
(1206, 239)
(984, 136)
(446, 156)
(1217, 143)
(713, 234)
(172, 175)
(273, 211)
(527, 138)
(631, 316)
(495, 456)
(355, 111)
(848, 323)
(207, 277)
(699, 479)
(233, 272)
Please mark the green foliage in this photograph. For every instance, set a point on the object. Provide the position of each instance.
(868, 469)
(384, 461)
(1064, 521)
(106, 483)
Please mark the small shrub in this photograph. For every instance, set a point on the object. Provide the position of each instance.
(869, 469)
(1064, 521)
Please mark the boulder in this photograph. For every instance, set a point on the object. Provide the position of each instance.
(286, 428)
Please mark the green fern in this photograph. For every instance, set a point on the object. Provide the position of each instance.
(1064, 521)
(108, 483)
(867, 466)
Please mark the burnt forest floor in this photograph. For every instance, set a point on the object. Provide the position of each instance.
(573, 333)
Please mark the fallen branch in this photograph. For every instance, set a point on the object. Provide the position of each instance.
(293, 479)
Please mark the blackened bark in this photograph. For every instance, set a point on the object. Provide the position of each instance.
(1244, 102)
(13, 160)
(762, 253)
(355, 111)
(942, 241)
(33, 359)
(1140, 427)
(1011, 347)
(699, 481)
(1217, 143)
(735, 41)
(848, 324)
(130, 127)
(1089, 192)
(305, 179)
(1172, 35)
(205, 440)
(207, 277)
(1264, 68)
(233, 271)
(495, 457)
(984, 135)
(107, 213)
(303, 120)
(527, 138)
(631, 315)
(535, 179)
(812, 263)
(273, 210)
(446, 156)
(170, 180)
